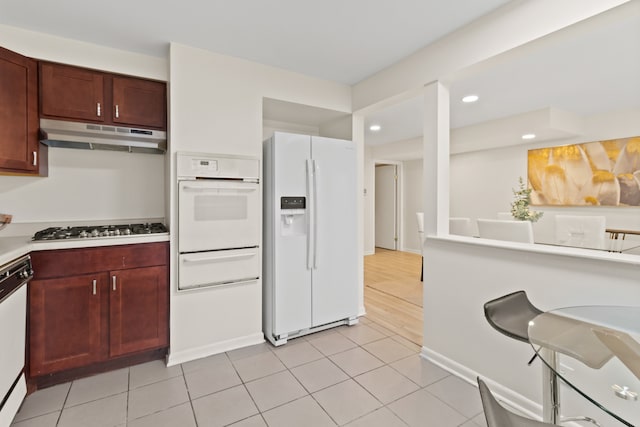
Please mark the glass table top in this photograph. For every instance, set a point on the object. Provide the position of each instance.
(598, 350)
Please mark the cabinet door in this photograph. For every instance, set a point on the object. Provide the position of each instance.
(71, 93)
(138, 313)
(138, 102)
(64, 323)
(18, 112)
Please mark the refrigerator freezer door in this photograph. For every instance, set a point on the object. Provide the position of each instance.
(291, 277)
(335, 276)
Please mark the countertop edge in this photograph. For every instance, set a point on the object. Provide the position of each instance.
(16, 246)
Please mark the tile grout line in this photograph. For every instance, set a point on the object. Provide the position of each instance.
(268, 349)
(126, 412)
(186, 385)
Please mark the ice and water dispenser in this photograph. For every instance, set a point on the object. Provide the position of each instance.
(293, 218)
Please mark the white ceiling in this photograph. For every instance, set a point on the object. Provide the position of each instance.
(342, 41)
(592, 67)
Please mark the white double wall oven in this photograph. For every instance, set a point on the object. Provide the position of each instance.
(219, 207)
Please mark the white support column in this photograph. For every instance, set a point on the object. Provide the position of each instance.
(358, 138)
(436, 159)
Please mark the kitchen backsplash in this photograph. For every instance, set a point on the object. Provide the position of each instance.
(88, 185)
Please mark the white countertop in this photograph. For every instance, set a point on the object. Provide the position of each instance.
(13, 247)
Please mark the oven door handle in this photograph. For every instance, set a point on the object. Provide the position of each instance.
(247, 189)
(219, 258)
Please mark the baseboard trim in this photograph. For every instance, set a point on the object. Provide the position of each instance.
(413, 251)
(362, 311)
(507, 396)
(175, 358)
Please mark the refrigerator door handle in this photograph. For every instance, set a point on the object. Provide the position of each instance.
(310, 217)
(315, 215)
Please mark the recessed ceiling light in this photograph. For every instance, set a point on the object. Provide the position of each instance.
(470, 98)
(529, 136)
(375, 128)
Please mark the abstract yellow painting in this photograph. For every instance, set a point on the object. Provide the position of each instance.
(595, 173)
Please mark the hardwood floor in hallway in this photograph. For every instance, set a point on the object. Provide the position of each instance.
(393, 292)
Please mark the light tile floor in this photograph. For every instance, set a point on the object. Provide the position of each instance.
(358, 376)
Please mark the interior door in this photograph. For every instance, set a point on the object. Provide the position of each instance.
(335, 278)
(386, 207)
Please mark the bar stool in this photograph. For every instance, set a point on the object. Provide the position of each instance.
(497, 416)
(510, 315)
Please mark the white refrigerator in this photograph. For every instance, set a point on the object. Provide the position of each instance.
(310, 263)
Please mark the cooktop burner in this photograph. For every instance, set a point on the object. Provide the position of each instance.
(84, 232)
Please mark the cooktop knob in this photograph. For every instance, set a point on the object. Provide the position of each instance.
(116, 232)
(127, 231)
(83, 234)
(95, 233)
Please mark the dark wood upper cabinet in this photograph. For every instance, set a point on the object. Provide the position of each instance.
(19, 146)
(71, 92)
(80, 94)
(139, 102)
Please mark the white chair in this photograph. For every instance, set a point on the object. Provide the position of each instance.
(513, 231)
(505, 216)
(581, 231)
(460, 226)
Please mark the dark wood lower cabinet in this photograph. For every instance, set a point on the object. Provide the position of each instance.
(111, 313)
(137, 310)
(65, 325)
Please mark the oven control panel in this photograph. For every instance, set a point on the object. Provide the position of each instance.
(204, 165)
(190, 166)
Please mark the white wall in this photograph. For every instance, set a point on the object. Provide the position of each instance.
(271, 126)
(482, 181)
(369, 198)
(412, 191)
(86, 185)
(216, 107)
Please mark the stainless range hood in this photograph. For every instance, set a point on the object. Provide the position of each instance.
(89, 136)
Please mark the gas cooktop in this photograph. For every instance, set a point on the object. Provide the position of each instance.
(97, 231)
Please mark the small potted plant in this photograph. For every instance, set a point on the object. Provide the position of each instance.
(520, 205)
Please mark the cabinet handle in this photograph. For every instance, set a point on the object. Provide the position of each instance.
(94, 286)
(35, 158)
(113, 280)
(117, 112)
(99, 110)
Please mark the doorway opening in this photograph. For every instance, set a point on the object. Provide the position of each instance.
(387, 205)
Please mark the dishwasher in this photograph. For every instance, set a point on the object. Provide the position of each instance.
(13, 324)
